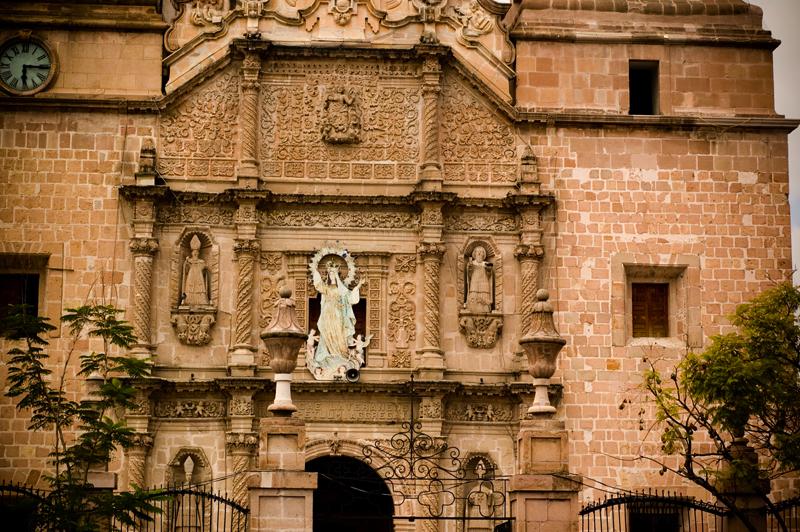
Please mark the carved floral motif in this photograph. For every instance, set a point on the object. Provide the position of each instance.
(405, 263)
(431, 407)
(484, 222)
(342, 10)
(195, 214)
(241, 407)
(402, 311)
(191, 408)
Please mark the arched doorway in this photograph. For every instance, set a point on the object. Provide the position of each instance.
(350, 496)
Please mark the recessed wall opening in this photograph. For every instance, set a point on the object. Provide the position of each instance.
(643, 87)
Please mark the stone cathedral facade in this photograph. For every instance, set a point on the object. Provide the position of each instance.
(187, 159)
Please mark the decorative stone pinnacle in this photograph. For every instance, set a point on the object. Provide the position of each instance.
(283, 338)
(542, 345)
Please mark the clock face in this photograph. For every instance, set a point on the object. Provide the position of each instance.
(25, 66)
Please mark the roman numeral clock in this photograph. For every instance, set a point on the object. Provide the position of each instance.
(27, 65)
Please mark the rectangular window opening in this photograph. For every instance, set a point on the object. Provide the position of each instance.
(643, 86)
(19, 289)
(650, 310)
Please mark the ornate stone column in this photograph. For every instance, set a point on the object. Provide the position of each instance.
(529, 258)
(246, 249)
(248, 116)
(241, 442)
(430, 174)
(242, 358)
(138, 419)
(432, 359)
(143, 249)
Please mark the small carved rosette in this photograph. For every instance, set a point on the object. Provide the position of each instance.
(194, 287)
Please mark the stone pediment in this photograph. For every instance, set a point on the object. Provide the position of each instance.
(473, 29)
(327, 116)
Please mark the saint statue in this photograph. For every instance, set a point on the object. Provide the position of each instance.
(337, 323)
(479, 276)
(195, 277)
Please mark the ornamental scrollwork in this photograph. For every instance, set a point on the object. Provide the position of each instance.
(338, 219)
(241, 407)
(480, 330)
(206, 12)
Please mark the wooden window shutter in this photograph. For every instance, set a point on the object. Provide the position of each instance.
(650, 310)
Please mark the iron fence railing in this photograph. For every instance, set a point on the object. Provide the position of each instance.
(651, 512)
(184, 509)
(789, 512)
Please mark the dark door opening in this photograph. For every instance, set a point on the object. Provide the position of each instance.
(350, 496)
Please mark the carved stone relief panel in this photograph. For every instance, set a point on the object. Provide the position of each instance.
(479, 409)
(198, 136)
(194, 286)
(337, 119)
(196, 214)
(271, 263)
(477, 144)
(480, 221)
(402, 331)
(191, 408)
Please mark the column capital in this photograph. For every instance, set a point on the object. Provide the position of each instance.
(431, 250)
(241, 442)
(144, 246)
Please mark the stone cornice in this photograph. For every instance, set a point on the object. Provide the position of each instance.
(50, 102)
(577, 118)
(628, 34)
(112, 15)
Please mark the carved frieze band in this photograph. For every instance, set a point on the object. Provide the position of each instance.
(373, 219)
(191, 408)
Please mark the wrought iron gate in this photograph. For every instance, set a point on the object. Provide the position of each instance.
(430, 474)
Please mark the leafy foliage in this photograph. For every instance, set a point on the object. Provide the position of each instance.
(73, 504)
(742, 391)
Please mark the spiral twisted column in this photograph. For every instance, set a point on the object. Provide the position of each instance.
(430, 255)
(136, 455)
(431, 168)
(248, 119)
(242, 358)
(143, 250)
(241, 448)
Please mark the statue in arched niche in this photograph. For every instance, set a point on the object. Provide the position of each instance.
(480, 282)
(195, 277)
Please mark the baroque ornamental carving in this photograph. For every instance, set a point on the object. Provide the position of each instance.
(198, 136)
(480, 273)
(194, 287)
(341, 116)
(342, 10)
(474, 21)
(339, 119)
(205, 12)
(335, 352)
(191, 408)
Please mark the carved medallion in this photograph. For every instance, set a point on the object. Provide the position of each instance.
(341, 116)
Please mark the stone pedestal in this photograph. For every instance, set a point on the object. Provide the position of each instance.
(544, 496)
(282, 500)
(281, 492)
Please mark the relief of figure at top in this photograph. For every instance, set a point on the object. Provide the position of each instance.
(195, 277)
(480, 282)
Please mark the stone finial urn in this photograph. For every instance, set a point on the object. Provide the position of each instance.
(283, 338)
(542, 345)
